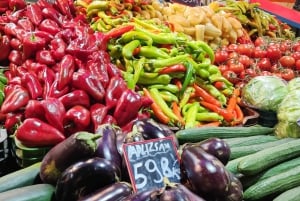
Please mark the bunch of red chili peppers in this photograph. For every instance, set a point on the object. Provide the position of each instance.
(60, 79)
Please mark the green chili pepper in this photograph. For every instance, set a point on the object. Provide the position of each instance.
(188, 76)
(146, 25)
(169, 87)
(159, 63)
(129, 65)
(149, 75)
(108, 20)
(128, 49)
(228, 91)
(203, 73)
(208, 116)
(99, 5)
(190, 117)
(136, 35)
(101, 26)
(115, 51)
(204, 46)
(162, 104)
(152, 52)
(188, 105)
(138, 66)
(168, 96)
(205, 63)
(173, 52)
(186, 96)
(213, 69)
(216, 77)
(160, 79)
(128, 77)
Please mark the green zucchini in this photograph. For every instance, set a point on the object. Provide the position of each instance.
(273, 185)
(251, 140)
(254, 163)
(233, 164)
(281, 167)
(292, 194)
(197, 134)
(36, 192)
(28, 152)
(237, 152)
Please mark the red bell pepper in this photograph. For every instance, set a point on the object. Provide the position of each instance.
(15, 15)
(66, 70)
(16, 4)
(54, 112)
(34, 13)
(45, 57)
(109, 119)
(32, 44)
(3, 4)
(83, 79)
(114, 91)
(15, 44)
(49, 26)
(43, 34)
(15, 57)
(98, 114)
(54, 92)
(75, 97)
(36, 133)
(76, 119)
(12, 120)
(15, 98)
(58, 48)
(113, 70)
(4, 47)
(44, 4)
(34, 109)
(25, 24)
(63, 7)
(31, 82)
(127, 107)
(53, 14)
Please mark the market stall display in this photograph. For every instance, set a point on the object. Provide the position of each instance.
(93, 91)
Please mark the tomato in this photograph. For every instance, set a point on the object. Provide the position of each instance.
(223, 68)
(221, 56)
(274, 68)
(250, 72)
(245, 49)
(231, 76)
(287, 74)
(233, 55)
(296, 55)
(245, 60)
(273, 53)
(287, 61)
(259, 52)
(297, 65)
(259, 41)
(285, 45)
(236, 67)
(264, 64)
(296, 46)
(265, 73)
(232, 47)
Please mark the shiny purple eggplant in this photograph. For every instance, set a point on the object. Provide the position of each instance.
(178, 192)
(145, 195)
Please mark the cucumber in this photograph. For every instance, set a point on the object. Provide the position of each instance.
(24, 152)
(233, 164)
(281, 167)
(254, 163)
(20, 178)
(289, 195)
(244, 141)
(197, 134)
(237, 152)
(36, 192)
(273, 185)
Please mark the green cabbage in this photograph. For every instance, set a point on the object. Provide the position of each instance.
(294, 84)
(264, 92)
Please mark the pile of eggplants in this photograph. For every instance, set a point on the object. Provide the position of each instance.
(103, 176)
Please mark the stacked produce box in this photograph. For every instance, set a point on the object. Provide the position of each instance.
(82, 80)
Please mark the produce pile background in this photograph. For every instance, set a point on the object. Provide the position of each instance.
(79, 79)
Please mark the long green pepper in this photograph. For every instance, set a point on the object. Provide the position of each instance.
(128, 49)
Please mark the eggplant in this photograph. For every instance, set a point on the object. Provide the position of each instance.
(114, 192)
(79, 146)
(178, 192)
(107, 144)
(235, 189)
(85, 177)
(205, 173)
(150, 129)
(145, 195)
(216, 147)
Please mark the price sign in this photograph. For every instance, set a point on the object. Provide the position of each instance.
(191, 3)
(150, 161)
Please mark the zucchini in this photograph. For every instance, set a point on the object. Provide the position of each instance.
(28, 152)
(292, 194)
(237, 152)
(20, 178)
(37, 192)
(273, 185)
(244, 141)
(266, 158)
(197, 134)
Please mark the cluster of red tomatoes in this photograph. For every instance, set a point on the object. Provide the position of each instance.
(265, 56)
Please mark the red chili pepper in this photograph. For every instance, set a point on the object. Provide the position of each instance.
(15, 44)
(4, 47)
(58, 48)
(49, 26)
(4, 4)
(16, 80)
(127, 107)
(66, 70)
(223, 112)
(34, 109)
(54, 92)
(98, 114)
(34, 13)
(12, 120)
(63, 7)
(31, 82)
(53, 14)
(43, 34)
(25, 24)
(114, 91)
(32, 44)
(54, 112)
(82, 79)
(68, 35)
(15, 57)
(76, 119)
(113, 70)
(44, 4)
(45, 57)
(16, 4)
(15, 98)
(115, 33)
(206, 96)
(36, 133)
(177, 68)
(75, 97)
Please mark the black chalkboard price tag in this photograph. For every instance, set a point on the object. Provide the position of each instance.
(150, 161)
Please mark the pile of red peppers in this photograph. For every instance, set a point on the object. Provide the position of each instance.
(60, 78)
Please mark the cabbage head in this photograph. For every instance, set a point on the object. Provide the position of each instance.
(264, 92)
(294, 84)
